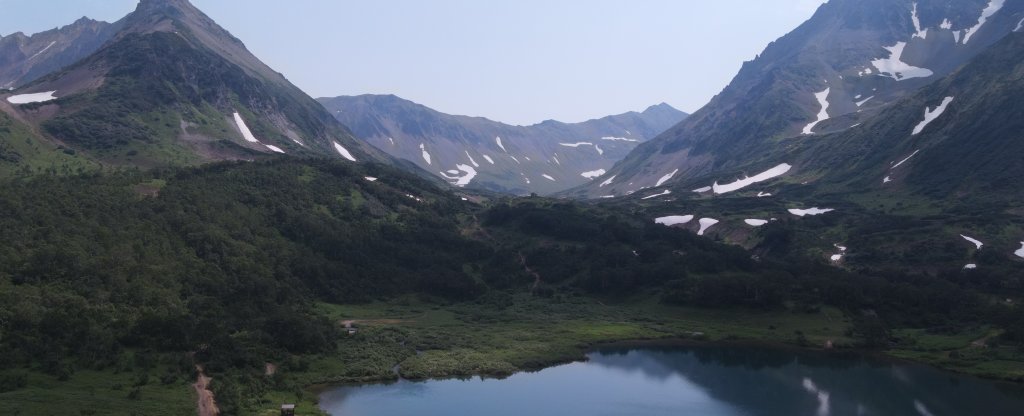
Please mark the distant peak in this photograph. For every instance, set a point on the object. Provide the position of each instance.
(151, 6)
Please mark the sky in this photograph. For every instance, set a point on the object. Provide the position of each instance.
(516, 61)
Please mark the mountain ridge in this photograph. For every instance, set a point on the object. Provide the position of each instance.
(544, 157)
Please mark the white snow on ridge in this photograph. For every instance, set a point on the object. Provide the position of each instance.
(549, 177)
(666, 178)
(1019, 25)
(599, 150)
(763, 194)
(593, 174)
(555, 157)
(39, 97)
(666, 192)
(607, 182)
(975, 241)
(862, 102)
(894, 67)
(426, 156)
(673, 220)
(370, 179)
(246, 133)
(931, 115)
(971, 266)
(810, 211)
(946, 24)
(702, 189)
(620, 139)
(1020, 253)
(755, 222)
(905, 160)
(461, 180)
(991, 9)
(514, 158)
(274, 148)
(498, 141)
(886, 180)
(43, 50)
(760, 177)
(475, 165)
(706, 223)
(343, 152)
(822, 98)
(577, 144)
(488, 158)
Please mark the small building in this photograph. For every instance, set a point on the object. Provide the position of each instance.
(287, 410)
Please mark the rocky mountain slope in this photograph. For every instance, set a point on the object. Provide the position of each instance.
(24, 58)
(841, 68)
(480, 153)
(171, 87)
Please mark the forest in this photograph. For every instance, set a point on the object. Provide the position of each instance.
(223, 265)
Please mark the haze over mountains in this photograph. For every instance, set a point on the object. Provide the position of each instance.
(484, 154)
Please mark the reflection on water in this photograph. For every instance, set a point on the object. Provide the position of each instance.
(694, 381)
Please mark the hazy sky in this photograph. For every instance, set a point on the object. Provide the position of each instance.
(517, 61)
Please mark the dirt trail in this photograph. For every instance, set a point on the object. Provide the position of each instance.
(206, 405)
(536, 276)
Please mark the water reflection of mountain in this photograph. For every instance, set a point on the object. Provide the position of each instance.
(774, 382)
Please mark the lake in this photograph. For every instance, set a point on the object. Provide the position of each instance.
(693, 381)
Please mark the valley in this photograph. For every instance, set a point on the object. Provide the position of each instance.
(183, 229)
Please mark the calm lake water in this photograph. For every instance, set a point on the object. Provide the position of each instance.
(693, 381)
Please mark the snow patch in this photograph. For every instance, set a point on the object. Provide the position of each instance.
(991, 9)
(593, 174)
(971, 266)
(274, 148)
(666, 192)
(822, 98)
(975, 241)
(1020, 253)
(370, 178)
(475, 165)
(824, 408)
(619, 139)
(246, 133)
(599, 150)
(760, 177)
(886, 180)
(463, 179)
(343, 152)
(755, 222)
(931, 114)
(549, 177)
(488, 158)
(1020, 25)
(514, 158)
(810, 211)
(946, 24)
(425, 154)
(577, 144)
(894, 67)
(673, 220)
(498, 141)
(666, 178)
(836, 257)
(905, 160)
(555, 157)
(706, 223)
(862, 102)
(39, 97)
(918, 33)
(391, 140)
(607, 182)
(702, 189)
(43, 50)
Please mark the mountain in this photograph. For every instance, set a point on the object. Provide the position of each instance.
(840, 68)
(474, 151)
(23, 58)
(171, 87)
